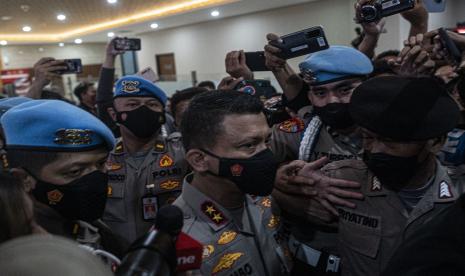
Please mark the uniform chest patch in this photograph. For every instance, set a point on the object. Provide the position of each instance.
(170, 185)
(227, 261)
(113, 166)
(165, 161)
(207, 251)
(359, 219)
(293, 125)
(227, 237)
(274, 222)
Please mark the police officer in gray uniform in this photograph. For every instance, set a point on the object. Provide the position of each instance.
(323, 130)
(404, 122)
(226, 136)
(145, 169)
(61, 163)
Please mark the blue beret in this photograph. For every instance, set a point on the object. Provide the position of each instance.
(135, 86)
(335, 63)
(52, 125)
(7, 103)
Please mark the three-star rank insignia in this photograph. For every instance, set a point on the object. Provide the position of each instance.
(236, 170)
(213, 213)
(227, 237)
(227, 261)
(207, 251)
(54, 197)
(293, 125)
(165, 161)
(170, 185)
(274, 221)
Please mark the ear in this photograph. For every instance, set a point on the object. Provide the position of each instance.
(29, 182)
(198, 160)
(112, 113)
(437, 144)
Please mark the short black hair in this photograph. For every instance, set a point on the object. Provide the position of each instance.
(387, 54)
(81, 88)
(33, 161)
(184, 95)
(381, 67)
(203, 120)
(207, 84)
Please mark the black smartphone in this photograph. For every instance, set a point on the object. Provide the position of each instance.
(73, 66)
(450, 46)
(256, 61)
(127, 44)
(302, 43)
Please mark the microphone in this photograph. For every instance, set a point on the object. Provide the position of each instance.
(154, 254)
(189, 253)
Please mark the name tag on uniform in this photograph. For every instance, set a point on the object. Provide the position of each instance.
(149, 207)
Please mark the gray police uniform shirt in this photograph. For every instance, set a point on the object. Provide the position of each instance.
(164, 166)
(370, 233)
(230, 248)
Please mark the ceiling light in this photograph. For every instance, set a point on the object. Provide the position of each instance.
(27, 29)
(78, 41)
(3, 42)
(154, 25)
(111, 34)
(215, 13)
(41, 49)
(6, 18)
(61, 17)
(61, 44)
(112, 1)
(20, 52)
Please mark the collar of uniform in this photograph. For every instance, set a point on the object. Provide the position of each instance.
(442, 188)
(119, 148)
(204, 207)
(159, 146)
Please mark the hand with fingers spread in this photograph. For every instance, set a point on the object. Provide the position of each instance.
(229, 83)
(330, 191)
(236, 66)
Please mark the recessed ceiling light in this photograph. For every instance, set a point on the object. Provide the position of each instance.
(6, 18)
(3, 42)
(20, 52)
(78, 41)
(215, 13)
(41, 49)
(61, 17)
(61, 44)
(111, 34)
(154, 25)
(112, 1)
(27, 29)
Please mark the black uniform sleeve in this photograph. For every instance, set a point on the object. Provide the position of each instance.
(298, 102)
(105, 98)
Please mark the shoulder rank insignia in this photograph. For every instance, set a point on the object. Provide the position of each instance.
(159, 146)
(54, 197)
(274, 221)
(119, 148)
(375, 185)
(266, 202)
(73, 137)
(227, 237)
(165, 161)
(169, 185)
(227, 261)
(444, 190)
(213, 213)
(207, 251)
(293, 125)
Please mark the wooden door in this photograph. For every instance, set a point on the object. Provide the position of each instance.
(166, 67)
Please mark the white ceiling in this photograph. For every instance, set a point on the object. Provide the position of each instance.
(228, 10)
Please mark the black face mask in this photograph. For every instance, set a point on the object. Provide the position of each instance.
(142, 122)
(392, 171)
(335, 115)
(254, 175)
(82, 199)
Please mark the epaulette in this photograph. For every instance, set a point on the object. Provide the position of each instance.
(159, 146)
(293, 125)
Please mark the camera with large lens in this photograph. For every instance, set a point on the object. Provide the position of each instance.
(383, 8)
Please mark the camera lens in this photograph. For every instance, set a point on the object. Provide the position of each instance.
(368, 13)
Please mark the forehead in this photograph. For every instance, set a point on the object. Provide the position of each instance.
(336, 84)
(239, 126)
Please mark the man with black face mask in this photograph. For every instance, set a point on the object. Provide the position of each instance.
(324, 130)
(404, 122)
(145, 168)
(61, 163)
(225, 200)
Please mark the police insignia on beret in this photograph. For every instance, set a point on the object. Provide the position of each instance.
(213, 213)
(293, 125)
(73, 137)
(130, 86)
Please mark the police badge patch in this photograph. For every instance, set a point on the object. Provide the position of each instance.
(130, 86)
(293, 125)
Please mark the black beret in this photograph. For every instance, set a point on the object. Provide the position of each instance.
(404, 109)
